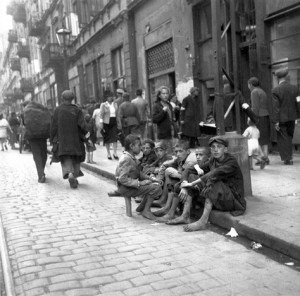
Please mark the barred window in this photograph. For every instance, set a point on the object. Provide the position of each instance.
(160, 57)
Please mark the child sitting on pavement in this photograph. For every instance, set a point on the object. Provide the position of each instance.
(170, 173)
(186, 195)
(149, 155)
(254, 149)
(162, 156)
(222, 183)
(132, 182)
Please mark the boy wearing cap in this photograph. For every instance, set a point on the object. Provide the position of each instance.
(222, 183)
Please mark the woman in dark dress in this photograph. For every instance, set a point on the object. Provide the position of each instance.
(109, 125)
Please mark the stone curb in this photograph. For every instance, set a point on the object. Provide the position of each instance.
(226, 221)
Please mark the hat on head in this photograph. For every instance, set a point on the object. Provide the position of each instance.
(280, 73)
(119, 91)
(160, 145)
(219, 140)
(67, 95)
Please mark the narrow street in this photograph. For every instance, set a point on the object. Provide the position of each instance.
(80, 242)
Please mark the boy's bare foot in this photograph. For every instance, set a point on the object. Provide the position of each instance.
(156, 204)
(165, 218)
(179, 220)
(149, 215)
(198, 225)
(161, 212)
(141, 206)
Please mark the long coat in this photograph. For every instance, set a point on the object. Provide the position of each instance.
(69, 128)
(163, 120)
(190, 114)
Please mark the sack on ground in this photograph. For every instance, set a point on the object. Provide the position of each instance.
(37, 121)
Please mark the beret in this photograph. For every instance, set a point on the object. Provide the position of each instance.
(280, 73)
(218, 139)
(160, 145)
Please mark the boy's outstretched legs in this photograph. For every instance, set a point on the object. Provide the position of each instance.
(202, 222)
(185, 216)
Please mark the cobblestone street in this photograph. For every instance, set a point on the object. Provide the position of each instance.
(66, 242)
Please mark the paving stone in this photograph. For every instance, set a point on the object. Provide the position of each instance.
(54, 272)
(81, 292)
(136, 291)
(95, 281)
(67, 285)
(119, 286)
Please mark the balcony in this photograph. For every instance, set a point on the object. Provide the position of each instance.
(12, 36)
(23, 51)
(10, 8)
(26, 85)
(35, 26)
(52, 56)
(15, 64)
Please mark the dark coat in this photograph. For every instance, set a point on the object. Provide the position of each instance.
(128, 114)
(284, 102)
(69, 128)
(163, 120)
(227, 171)
(190, 114)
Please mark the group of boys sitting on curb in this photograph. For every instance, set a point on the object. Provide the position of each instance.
(214, 179)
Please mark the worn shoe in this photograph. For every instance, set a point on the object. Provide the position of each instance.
(262, 164)
(73, 181)
(114, 193)
(116, 157)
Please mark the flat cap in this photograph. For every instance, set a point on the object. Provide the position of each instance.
(280, 73)
(119, 91)
(67, 95)
(160, 145)
(219, 140)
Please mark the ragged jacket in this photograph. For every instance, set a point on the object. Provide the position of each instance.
(128, 171)
(228, 171)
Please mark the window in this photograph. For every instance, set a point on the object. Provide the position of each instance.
(284, 44)
(118, 68)
(90, 81)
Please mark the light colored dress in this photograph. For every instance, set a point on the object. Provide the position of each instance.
(4, 125)
(252, 133)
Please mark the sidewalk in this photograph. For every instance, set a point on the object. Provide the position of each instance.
(272, 216)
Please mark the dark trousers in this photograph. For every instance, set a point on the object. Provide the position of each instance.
(284, 139)
(39, 152)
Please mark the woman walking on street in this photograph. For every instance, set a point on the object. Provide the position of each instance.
(109, 126)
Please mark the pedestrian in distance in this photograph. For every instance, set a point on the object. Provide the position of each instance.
(4, 127)
(69, 130)
(142, 106)
(254, 151)
(163, 117)
(14, 123)
(91, 138)
(284, 114)
(96, 118)
(37, 121)
(109, 126)
(222, 185)
(129, 117)
(132, 182)
(260, 106)
(190, 117)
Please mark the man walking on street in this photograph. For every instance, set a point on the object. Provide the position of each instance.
(69, 130)
(285, 114)
(142, 106)
(37, 120)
